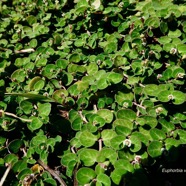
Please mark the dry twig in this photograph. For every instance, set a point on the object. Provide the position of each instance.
(5, 175)
(53, 173)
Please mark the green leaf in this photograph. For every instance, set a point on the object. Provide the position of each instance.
(122, 98)
(164, 27)
(79, 42)
(164, 96)
(62, 63)
(182, 135)
(178, 72)
(73, 90)
(39, 85)
(167, 74)
(99, 169)
(75, 58)
(164, 40)
(92, 68)
(25, 172)
(144, 139)
(123, 122)
(87, 139)
(82, 85)
(117, 175)
(60, 95)
(110, 47)
(2, 140)
(174, 34)
(26, 106)
(41, 62)
(154, 149)
(136, 144)
(102, 83)
(77, 124)
(114, 78)
(88, 156)
(15, 145)
(117, 142)
(85, 175)
(157, 134)
(107, 135)
(50, 181)
(44, 109)
(170, 142)
(33, 43)
(150, 121)
(68, 158)
(166, 126)
(18, 75)
(122, 130)
(11, 159)
(32, 96)
(107, 154)
(179, 97)
(126, 114)
(120, 61)
(182, 48)
(33, 82)
(19, 165)
(70, 168)
(151, 89)
(106, 114)
(132, 80)
(124, 164)
(31, 19)
(168, 47)
(152, 22)
(35, 124)
(97, 120)
(37, 140)
(176, 96)
(19, 62)
(103, 179)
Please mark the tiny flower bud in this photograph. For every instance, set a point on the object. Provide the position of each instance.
(173, 50)
(180, 75)
(159, 76)
(170, 97)
(98, 61)
(159, 109)
(120, 5)
(125, 104)
(137, 158)
(127, 142)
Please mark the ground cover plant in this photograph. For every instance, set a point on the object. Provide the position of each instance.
(92, 92)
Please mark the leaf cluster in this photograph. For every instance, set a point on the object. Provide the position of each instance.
(95, 89)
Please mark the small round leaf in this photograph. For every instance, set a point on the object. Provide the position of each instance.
(85, 175)
(154, 149)
(87, 139)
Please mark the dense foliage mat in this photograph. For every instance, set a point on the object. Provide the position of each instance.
(92, 92)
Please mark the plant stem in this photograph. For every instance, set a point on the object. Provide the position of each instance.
(52, 172)
(139, 105)
(75, 172)
(100, 144)
(138, 111)
(82, 117)
(24, 51)
(75, 169)
(5, 175)
(13, 115)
